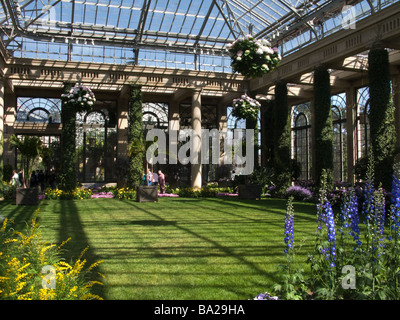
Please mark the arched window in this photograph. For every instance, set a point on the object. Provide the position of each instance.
(155, 115)
(362, 122)
(233, 122)
(96, 145)
(301, 130)
(338, 103)
(43, 110)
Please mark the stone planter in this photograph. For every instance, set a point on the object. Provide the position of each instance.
(147, 194)
(249, 191)
(27, 196)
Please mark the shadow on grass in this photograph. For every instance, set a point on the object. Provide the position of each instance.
(214, 247)
(20, 215)
(71, 226)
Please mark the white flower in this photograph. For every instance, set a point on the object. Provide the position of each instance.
(268, 50)
(266, 42)
(238, 58)
(260, 51)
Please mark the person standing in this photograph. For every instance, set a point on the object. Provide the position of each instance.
(15, 179)
(149, 177)
(21, 178)
(161, 181)
(155, 179)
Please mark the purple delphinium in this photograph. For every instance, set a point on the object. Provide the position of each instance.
(326, 217)
(289, 232)
(395, 211)
(349, 213)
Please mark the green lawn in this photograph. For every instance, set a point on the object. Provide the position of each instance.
(178, 248)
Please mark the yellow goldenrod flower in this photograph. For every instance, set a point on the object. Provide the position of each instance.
(3, 228)
(63, 243)
(94, 265)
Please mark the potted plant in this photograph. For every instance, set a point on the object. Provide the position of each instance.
(253, 57)
(245, 108)
(30, 148)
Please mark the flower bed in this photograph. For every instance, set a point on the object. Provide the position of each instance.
(103, 195)
(226, 194)
(170, 195)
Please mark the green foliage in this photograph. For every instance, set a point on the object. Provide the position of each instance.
(381, 115)
(135, 137)
(68, 176)
(323, 124)
(30, 147)
(282, 139)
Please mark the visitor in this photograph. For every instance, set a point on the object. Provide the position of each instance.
(161, 181)
(21, 178)
(143, 179)
(52, 179)
(155, 179)
(41, 180)
(33, 182)
(149, 177)
(15, 179)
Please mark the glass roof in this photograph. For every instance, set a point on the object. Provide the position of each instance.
(185, 34)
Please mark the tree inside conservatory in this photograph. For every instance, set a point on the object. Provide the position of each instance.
(381, 116)
(135, 137)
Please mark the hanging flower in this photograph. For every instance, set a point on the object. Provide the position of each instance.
(81, 97)
(245, 107)
(253, 57)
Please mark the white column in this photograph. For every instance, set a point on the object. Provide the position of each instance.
(173, 130)
(196, 181)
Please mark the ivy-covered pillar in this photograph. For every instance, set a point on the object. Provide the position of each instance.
(381, 113)
(323, 124)
(396, 103)
(351, 130)
(68, 176)
(267, 133)
(2, 128)
(135, 137)
(282, 138)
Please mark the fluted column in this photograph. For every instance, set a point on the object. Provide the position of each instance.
(196, 181)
